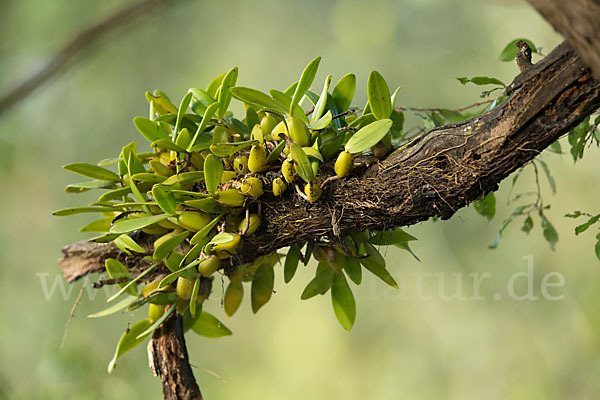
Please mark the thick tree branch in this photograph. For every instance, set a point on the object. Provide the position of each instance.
(169, 360)
(435, 175)
(62, 60)
(579, 22)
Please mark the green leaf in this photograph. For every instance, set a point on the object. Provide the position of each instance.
(208, 114)
(375, 263)
(92, 171)
(229, 149)
(274, 155)
(209, 326)
(481, 81)
(80, 210)
(167, 145)
(585, 226)
(99, 225)
(312, 152)
(194, 297)
(510, 51)
(549, 176)
(527, 225)
(208, 205)
(306, 80)
(185, 103)
(148, 177)
(302, 163)
(85, 186)
(116, 270)
(321, 123)
(395, 96)
(286, 101)
(127, 244)
(388, 238)
(164, 198)
(291, 262)
(597, 246)
(185, 178)
(129, 340)
(343, 92)
(256, 98)
(215, 84)
(167, 280)
(368, 136)
(378, 93)
(130, 225)
(321, 283)
(126, 302)
(201, 234)
(114, 194)
(320, 106)
(262, 286)
(131, 283)
(353, 269)
(486, 206)
(549, 232)
(343, 302)
(224, 94)
(166, 247)
(151, 130)
(213, 170)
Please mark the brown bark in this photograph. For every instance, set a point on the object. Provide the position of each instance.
(579, 22)
(169, 361)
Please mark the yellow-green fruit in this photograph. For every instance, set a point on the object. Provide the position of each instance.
(168, 224)
(253, 222)
(163, 239)
(194, 220)
(252, 187)
(185, 288)
(240, 164)
(298, 131)
(155, 312)
(383, 147)
(151, 287)
(313, 191)
(288, 171)
(278, 130)
(231, 197)
(220, 134)
(267, 123)
(126, 180)
(154, 229)
(257, 162)
(279, 186)
(226, 176)
(224, 250)
(233, 297)
(209, 266)
(343, 164)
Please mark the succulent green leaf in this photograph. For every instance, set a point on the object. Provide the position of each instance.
(167, 145)
(320, 106)
(343, 301)
(164, 198)
(229, 149)
(306, 80)
(321, 123)
(99, 225)
(321, 283)
(213, 170)
(185, 103)
(368, 136)
(208, 205)
(486, 206)
(126, 302)
(395, 96)
(129, 340)
(388, 238)
(286, 101)
(127, 244)
(202, 233)
(262, 286)
(209, 326)
(148, 177)
(378, 93)
(92, 171)
(353, 269)
(375, 263)
(481, 81)
(213, 87)
(116, 270)
(224, 94)
(292, 259)
(312, 152)
(130, 225)
(303, 166)
(208, 114)
(343, 92)
(156, 323)
(194, 297)
(274, 155)
(115, 194)
(131, 283)
(256, 98)
(167, 280)
(80, 210)
(151, 130)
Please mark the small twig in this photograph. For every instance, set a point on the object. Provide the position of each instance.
(82, 40)
(71, 315)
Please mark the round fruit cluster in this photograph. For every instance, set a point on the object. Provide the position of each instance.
(184, 208)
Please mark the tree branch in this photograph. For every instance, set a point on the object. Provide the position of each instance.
(169, 360)
(435, 175)
(579, 22)
(82, 40)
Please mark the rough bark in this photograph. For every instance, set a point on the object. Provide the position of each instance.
(169, 361)
(579, 22)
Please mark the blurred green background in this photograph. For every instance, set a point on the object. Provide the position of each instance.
(403, 346)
